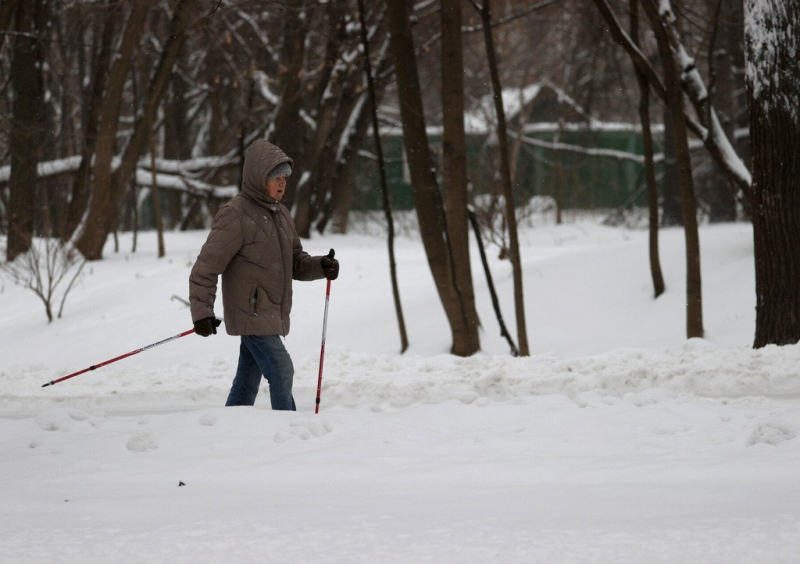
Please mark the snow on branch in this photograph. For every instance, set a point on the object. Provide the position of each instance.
(144, 178)
(607, 153)
(603, 153)
(47, 168)
(714, 135)
(189, 167)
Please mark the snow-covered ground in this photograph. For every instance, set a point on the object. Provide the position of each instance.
(616, 441)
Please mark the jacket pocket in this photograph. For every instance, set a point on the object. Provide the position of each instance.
(262, 301)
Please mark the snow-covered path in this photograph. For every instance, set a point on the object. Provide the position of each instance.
(648, 477)
(616, 441)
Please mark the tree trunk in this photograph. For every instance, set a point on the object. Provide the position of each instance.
(649, 168)
(102, 216)
(27, 124)
(772, 33)
(670, 184)
(155, 197)
(80, 189)
(427, 199)
(490, 284)
(384, 187)
(694, 295)
(722, 195)
(105, 145)
(508, 190)
(176, 142)
(337, 208)
(454, 153)
(287, 133)
(333, 88)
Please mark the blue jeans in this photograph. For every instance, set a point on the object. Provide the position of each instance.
(263, 355)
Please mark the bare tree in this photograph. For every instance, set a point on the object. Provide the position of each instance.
(650, 174)
(288, 123)
(725, 30)
(427, 199)
(505, 171)
(773, 84)
(102, 214)
(671, 184)
(382, 171)
(43, 268)
(155, 198)
(454, 168)
(660, 20)
(705, 123)
(26, 122)
(94, 101)
(105, 144)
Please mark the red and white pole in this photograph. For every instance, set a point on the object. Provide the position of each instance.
(322, 349)
(126, 355)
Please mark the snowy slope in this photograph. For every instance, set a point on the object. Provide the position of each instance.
(617, 440)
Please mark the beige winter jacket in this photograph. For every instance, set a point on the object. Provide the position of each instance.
(254, 246)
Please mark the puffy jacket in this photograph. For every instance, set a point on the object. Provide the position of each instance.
(253, 244)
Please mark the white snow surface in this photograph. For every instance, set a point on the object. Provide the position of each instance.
(616, 441)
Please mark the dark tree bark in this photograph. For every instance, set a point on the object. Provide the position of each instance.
(336, 209)
(27, 123)
(505, 171)
(155, 197)
(176, 141)
(674, 98)
(649, 168)
(670, 184)
(384, 185)
(454, 167)
(330, 94)
(490, 283)
(772, 33)
(721, 196)
(288, 126)
(427, 200)
(102, 214)
(108, 122)
(80, 189)
(7, 9)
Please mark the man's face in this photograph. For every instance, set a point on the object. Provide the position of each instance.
(276, 187)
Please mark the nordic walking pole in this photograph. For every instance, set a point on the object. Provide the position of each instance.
(126, 355)
(324, 330)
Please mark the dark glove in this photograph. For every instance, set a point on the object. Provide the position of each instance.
(330, 266)
(207, 327)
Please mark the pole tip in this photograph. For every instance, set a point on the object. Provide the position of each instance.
(45, 385)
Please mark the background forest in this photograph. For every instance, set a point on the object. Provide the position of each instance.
(126, 115)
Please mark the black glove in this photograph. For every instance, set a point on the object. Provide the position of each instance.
(207, 327)
(330, 266)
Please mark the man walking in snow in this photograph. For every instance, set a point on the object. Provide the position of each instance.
(254, 246)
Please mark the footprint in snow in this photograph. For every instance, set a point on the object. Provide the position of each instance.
(303, 430)
(773, 432)
(61, 419)
(142, 442)
(209, 420)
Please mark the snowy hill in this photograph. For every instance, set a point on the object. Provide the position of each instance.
(617, 440)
